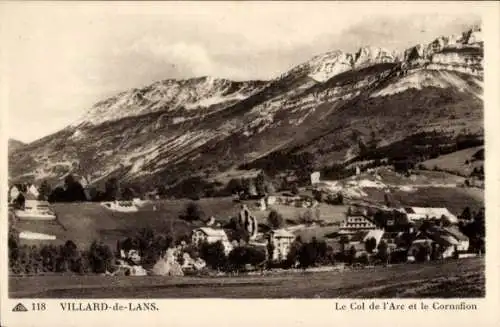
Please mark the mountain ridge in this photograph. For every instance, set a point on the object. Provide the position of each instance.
(328, 105)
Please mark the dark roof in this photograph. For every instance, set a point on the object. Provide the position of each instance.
(455, 232)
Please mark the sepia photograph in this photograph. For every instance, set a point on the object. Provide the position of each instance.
(253, 150)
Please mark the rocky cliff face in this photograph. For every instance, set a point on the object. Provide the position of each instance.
(326, 106)
(184, 96)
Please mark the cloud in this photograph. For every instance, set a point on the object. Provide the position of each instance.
(60, 59)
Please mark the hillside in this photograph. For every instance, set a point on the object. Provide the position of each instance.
(86, 222)
(461, 162)
(13, 145)
(334, 107)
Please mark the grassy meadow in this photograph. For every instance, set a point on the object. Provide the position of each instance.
(455, 278)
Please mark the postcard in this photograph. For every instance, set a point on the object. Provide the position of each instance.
(252, 163)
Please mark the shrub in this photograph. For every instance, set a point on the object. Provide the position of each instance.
(214, 255)
(100, 257)
(370, 244)
(243, 255)
(306, 217)
(275, 219)
(192, 212)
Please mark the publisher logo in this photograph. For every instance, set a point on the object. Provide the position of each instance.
(19, 308)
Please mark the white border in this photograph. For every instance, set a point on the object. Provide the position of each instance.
(296, 312)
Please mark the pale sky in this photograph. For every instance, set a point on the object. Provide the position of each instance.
(61, 58)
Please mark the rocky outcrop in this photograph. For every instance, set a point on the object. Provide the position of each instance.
(368, 56)
(171, 95)
(167, 265)
(324, 67)
(210, 125)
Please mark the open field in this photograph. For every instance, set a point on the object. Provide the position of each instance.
(86, 222)
(455, 162)
(450, 279)
(453, 198)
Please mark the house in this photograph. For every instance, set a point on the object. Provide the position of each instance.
(377, 234)
(463, 241)
(261, 205)
(13, 193)
(270, 200)
(120, 206)
(315, 178)
(449, 241)
(30, 196)
(211, 235)
(282, 240)
(419, 214)
(33, 190)
(354, 240)
(415, 247)
(356, 219)
(451, 236)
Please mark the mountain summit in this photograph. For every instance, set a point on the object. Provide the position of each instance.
(332, 107)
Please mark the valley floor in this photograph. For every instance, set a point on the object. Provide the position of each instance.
(450, 279)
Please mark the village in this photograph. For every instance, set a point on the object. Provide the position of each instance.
(334, 231)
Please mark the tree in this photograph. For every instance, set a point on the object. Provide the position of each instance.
(192, 212)
(270, 251)
(352, 255)
(100, 257)
(275, 219)
(308, 255)
(292, 257)
(73, 190)
(44, 191)
(383, 252)
(343, 241)
(478, 225)
(260, 183)
(466, 214)
(112, 189)
(13, 245)
(234, 186)
(252, 189)
(270, 188)
(370, 244)
(340, 198)
(423, 252)
(19, 201)
(161, 191)
(318, 195)
(307, 217)
(128, 194)
(387, 200)
(243, 255)
(213, 254)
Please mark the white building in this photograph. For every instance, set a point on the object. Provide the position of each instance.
(420, 213)
(33, 190)
(315, 177)
(356, 219)
(211, 235)
(282, 241)
(120, 206)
